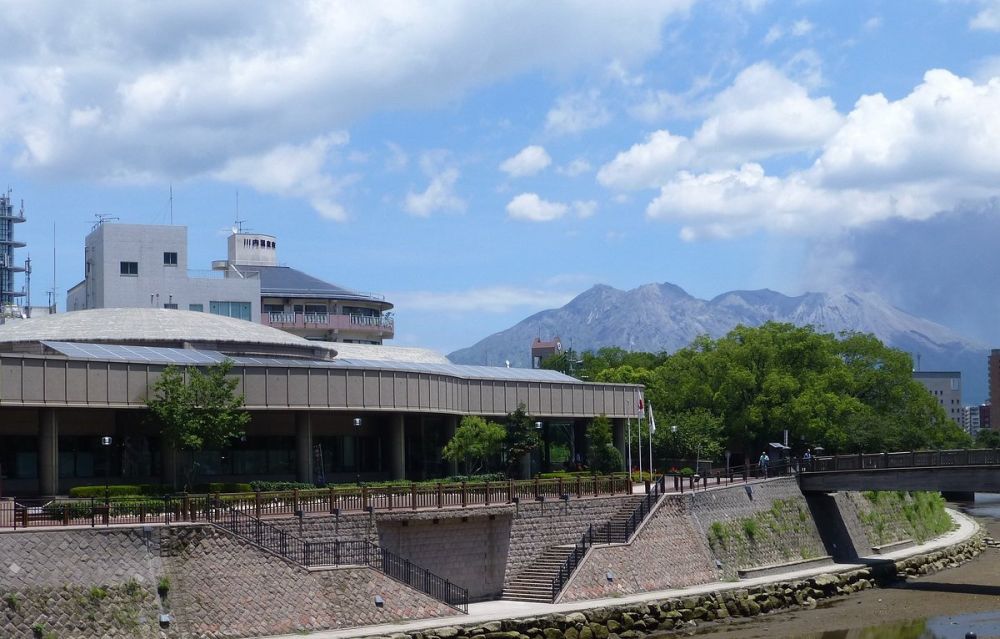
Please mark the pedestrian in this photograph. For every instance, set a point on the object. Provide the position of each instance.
(807, 458)
(762, 463)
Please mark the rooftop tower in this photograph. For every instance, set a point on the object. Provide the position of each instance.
(8, 218)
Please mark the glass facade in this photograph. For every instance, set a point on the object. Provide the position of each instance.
(256, 456)
(342, 453)
(19, 456)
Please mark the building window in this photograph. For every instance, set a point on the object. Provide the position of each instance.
(274, 308)
(173, 306)
(319, 309)
(170, 259)
(239, 310)
(129, 268)
(196, 307)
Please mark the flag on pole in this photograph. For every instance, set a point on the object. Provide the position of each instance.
(652, 420)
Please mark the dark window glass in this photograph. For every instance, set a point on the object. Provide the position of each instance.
(129, 268)
(170, 259)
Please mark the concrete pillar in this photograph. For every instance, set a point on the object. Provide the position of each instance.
(451, 425)
(526, 466)
(618, 428)
(397, 446)
(303, 446)
(48, 452)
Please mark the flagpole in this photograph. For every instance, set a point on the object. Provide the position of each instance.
(652, 429)
(638, 432)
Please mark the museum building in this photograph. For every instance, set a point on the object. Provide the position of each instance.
(320, 411)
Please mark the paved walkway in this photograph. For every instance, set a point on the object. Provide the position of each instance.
(498, 610)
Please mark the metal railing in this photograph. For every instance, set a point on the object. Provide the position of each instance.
(23, 513)
(342, 553)
(609, 534)
(907, 459)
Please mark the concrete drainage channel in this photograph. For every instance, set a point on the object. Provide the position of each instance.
(634, 620)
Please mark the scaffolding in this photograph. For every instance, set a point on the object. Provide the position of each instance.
(9, 295)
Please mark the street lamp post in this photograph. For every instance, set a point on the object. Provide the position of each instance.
(357, 449)
(541, 449)
(106, 443)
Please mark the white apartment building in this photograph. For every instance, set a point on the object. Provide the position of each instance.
(146, 266)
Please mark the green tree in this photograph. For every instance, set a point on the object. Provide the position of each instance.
(688, 434)
(521, 438)
(603, 457)
(987, 438)
(476, 441)
(196, 410)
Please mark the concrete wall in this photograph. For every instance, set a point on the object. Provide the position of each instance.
(471, 550)
(155, 284)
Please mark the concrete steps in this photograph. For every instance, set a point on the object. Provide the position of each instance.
(534, 583)
(617, 521)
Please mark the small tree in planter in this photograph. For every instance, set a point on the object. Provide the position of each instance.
(603, 457)
(476, 441)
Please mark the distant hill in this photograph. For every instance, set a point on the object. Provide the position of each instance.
(664, 317)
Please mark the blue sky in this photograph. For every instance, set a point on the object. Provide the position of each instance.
(477, 162)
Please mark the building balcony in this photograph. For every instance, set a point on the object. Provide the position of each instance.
(381, 326)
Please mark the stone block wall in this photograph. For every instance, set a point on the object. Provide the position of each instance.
(667, 552)
(536, 526)
(470, 550)
(80, 583)
(331, 527)
(224, 587)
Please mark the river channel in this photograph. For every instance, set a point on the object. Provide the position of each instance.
(946, 605)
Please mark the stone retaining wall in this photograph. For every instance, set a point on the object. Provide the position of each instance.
(536, 526)
(223, 586)
(631, 621)
(80, 583)
(668, 552)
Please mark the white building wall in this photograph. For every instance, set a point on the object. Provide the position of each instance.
(156, 283)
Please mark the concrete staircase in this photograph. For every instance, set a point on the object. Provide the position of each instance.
(534, 583)
(613, 530)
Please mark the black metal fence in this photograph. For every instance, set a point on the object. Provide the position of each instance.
(343, 553)
(909, 459)
(608, 534)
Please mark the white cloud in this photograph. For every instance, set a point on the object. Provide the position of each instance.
(438, 196)
(579, 166)
(873, 23)
(647, 164)
(774, 34)
(181, 90)
(910, 158)
(764, 113)
(801, 27)
(491, 299)
(576, 113)
(293, 171)
(761, 115)
(530, 207)
(529, 161)
(585, 209)
(988, 18)
(397, 159)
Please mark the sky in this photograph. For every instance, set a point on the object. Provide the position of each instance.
(477, 162)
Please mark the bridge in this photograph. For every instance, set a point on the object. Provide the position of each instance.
(957, 471)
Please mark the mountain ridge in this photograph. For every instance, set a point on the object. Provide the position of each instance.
(664, 317)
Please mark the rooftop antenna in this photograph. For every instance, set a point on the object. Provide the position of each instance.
(101, 219)
(27, 284)
(918, 362)
(52, 304)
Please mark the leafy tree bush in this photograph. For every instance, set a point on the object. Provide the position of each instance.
(521, 439)
(476, 442)
(603, 456)
(197, 410)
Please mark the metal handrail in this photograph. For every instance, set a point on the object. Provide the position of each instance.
(620, 535)
(905, 459)
(340, 553)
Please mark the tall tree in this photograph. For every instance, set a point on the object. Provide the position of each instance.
(521, 438)
(476, 441)
(197, 410)
(603, 456)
